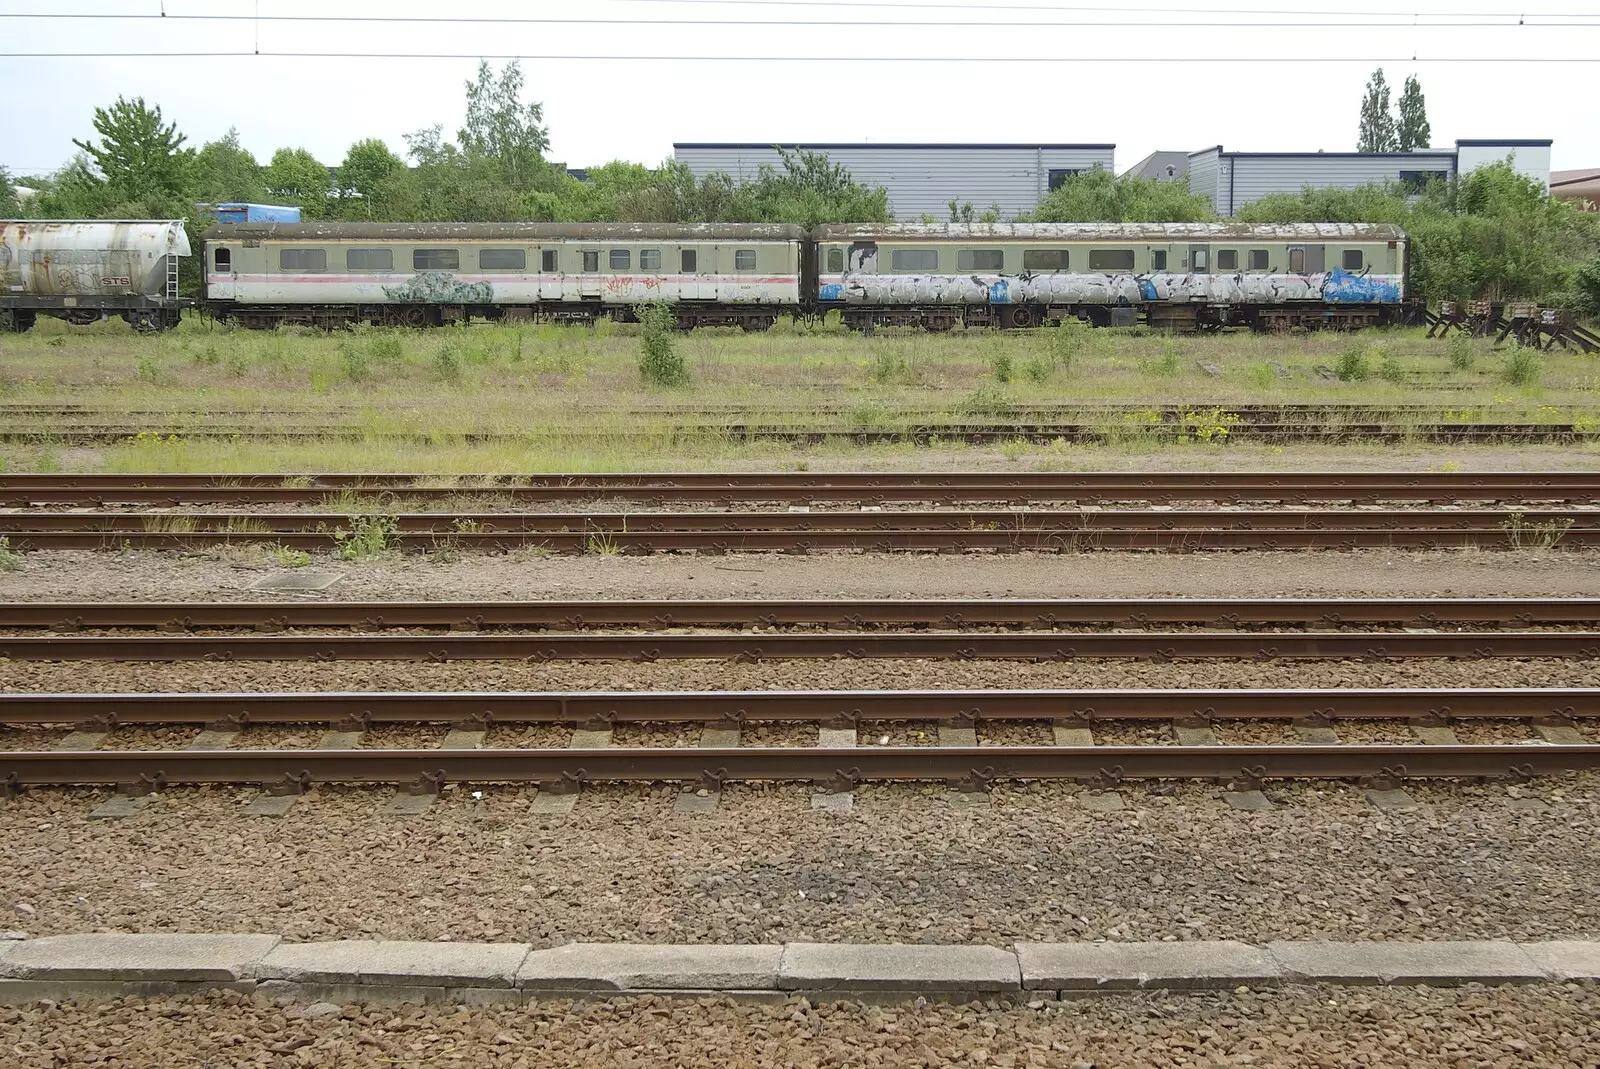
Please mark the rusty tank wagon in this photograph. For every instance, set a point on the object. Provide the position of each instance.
(82, 270)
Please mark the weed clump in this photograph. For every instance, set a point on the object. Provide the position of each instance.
(366, 537)
(386, 347)
(357, 368)
(660, 363)
(1067, 341)
(1459, 348)
(1353, 365)
(447, 363)
(1523, 367)
(10, 559)
(1005, 369)
(1168, 364)
(1037, 368)
(1389, 368)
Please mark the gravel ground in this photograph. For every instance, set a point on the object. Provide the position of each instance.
(63, 575)
(1476, 861)
(841, 674)
(1546, 1024)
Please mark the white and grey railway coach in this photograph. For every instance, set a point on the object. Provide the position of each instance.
(418, 274)
(1181, 276)
(82, 270)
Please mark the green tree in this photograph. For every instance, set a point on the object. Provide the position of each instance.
(500, 127)
(138, 156)
(8, 195)
(1413, 131)
(367, 166)
(1377, 133)
(225, 171)
(1586, 286)
(295, 175)
(1101, 197)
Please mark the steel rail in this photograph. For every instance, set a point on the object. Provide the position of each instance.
(1054, 521)
(1058, 646)
(974, 768)
(852, 613)
(1060, 540)
(844, 707)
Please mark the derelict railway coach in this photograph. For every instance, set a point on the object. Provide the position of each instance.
(424, 274)
(1172, 276)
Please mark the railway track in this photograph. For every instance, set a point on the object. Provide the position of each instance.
(91, 489)
(848, 613)
(925, 434)
(839, 764)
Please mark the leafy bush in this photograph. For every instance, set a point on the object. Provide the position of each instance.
(1067, 340)
(386, 347)
(447, 363)
(1459, 348)
(357, 368)
(1353, 365)
(1390, 369)
(660, 363)
(1037, 368)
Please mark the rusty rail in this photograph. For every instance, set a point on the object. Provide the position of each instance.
(78, 489)
(604, 709)
(852, 613)
(973, 768)
(1049, 646)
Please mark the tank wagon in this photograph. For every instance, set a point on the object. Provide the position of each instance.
(82, 270)
(1171, 276)
(425, 274)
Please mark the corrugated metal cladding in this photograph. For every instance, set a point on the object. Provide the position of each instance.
(921, 179)
(1234, 179)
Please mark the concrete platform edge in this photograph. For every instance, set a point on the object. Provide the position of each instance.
(54, 968)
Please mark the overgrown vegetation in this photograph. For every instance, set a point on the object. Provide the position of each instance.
(1353, 365)
(1522, 534)
(366, 537)
(660, 363)
(10, 559)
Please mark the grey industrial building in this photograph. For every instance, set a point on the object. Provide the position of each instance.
(922, 179)
(1233, 179)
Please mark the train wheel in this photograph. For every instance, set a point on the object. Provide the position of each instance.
(15, 321)
(1020, 317)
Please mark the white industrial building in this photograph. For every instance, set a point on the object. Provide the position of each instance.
(1230, 180)
(921, 179)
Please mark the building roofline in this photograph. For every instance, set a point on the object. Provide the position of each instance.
(877, 145)
(1421, 154)
(1508, 142)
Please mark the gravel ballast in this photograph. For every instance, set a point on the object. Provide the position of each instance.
(1546, 1024)
(1474, 862)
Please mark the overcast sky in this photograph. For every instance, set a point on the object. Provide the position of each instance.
(600, 109)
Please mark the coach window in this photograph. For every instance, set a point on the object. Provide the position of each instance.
(744, 259)
(368, 260)
(224, 260)
(915, 260)
(436, 260)
(649, 259)
(620, 259)
(1227, 259)
(502, 260)
(591, 261)
(980, 260)
(688, 261)
(1111, 259)
(836, 261)
(1258, 259)
(1045, 259)
(302, 259)
(547, 261)
(1158, 259)
(1352, 260)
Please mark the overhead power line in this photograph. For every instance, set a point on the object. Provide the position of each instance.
(1401, 22)
(801, 58)
(916, 4)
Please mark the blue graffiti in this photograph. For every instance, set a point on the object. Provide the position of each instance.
(999, 292)
(1344, 288)
(1147, 289)
(831, 291)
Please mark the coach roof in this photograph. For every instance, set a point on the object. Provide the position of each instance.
(524, 232)
(1153, 233)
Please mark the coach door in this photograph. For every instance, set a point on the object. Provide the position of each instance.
(1305, 259)
(220, 278)
(1199, 259)
(589, 277)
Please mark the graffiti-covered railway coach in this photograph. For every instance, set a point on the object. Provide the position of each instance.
(424, 274)
(1175, 276)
